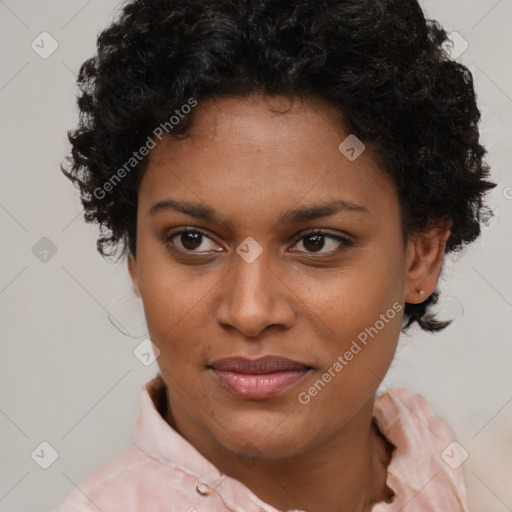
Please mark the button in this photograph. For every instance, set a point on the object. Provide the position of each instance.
(203, 489)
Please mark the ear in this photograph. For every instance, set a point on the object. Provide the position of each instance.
(132, 270)
(424, 260)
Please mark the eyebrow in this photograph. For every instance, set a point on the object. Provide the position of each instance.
(295, 215)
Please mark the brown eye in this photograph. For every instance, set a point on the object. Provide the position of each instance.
(315, 241)
(189, 240)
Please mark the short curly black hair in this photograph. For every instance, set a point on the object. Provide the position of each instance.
(380, 63)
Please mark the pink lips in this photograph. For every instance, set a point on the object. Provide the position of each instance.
(258, 379)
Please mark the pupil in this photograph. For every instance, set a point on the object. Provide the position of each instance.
(316, 245)
(194, 238)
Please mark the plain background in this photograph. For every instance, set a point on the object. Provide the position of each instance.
(70, 378)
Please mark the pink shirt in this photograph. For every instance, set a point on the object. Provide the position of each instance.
(163, 472)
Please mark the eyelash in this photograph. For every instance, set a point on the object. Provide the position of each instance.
(346, 242)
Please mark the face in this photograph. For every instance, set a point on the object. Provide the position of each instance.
(258, 276)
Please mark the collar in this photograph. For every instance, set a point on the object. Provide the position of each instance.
(403, 417)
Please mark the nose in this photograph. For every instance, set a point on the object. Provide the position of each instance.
(254, 297)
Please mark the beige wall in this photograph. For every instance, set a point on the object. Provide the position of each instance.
(70, 378)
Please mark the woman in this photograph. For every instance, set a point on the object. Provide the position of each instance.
(285, 179)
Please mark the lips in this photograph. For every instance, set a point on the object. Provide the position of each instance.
(258, 379)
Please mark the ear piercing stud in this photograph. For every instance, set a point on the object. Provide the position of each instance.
(421, 292)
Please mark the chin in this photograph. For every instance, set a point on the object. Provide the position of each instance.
(260, 435)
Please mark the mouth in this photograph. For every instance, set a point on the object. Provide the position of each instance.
(258, 379)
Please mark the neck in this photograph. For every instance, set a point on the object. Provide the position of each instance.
(347, 473)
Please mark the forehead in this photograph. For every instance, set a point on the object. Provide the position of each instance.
(261, 154)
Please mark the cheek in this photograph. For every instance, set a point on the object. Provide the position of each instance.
(364, 333)
(176, 309)
(354, 298)
(355, 359)
(362, 307)
(164, 296)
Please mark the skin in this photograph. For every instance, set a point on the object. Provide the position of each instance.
(251, 165)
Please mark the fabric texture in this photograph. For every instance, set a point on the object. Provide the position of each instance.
(163, 472)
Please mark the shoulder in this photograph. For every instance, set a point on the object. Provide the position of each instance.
(426, 467)
(128, 483)
(398, 408)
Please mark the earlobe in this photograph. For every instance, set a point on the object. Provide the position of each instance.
(132, 270)
(424, 260)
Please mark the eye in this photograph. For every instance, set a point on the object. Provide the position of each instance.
(189, 240)
(194, 241)
(315, 241)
